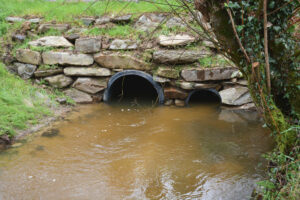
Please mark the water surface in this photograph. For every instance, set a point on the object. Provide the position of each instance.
(123, 152)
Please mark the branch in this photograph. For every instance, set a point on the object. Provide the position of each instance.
(237, 36)
(266, 47)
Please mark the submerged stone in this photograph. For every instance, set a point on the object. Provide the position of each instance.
(51, 133)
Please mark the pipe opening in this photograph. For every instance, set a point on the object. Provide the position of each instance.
(133, 90)
(208, 97)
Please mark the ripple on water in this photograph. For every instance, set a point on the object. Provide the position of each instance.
(139, 153)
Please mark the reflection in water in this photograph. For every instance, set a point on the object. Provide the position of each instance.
(105, 152)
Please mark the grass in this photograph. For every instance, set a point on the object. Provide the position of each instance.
(19, 103)
(121, 31)
(66, 12)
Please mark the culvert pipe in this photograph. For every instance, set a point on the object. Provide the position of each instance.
(133, 74)
(203, 96)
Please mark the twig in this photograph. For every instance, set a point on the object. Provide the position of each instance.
(237, 36)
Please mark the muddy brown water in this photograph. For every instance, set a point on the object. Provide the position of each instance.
(121, 152)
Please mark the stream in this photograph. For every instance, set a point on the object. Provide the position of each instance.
(124, 152)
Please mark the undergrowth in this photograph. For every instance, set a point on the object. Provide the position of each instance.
(21, 103)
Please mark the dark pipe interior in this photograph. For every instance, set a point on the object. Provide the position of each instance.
(204, 97)
(134, 90)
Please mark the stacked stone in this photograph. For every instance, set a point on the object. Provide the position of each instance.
(84, 64)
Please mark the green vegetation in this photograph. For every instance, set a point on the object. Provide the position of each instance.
(285, 169)
(121, 31)
(20, 103)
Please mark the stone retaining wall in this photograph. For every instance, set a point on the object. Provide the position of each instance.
(81, 65)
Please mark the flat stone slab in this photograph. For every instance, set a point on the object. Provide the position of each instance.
(66, 58)
(175, 40)
(48, 72)
(59, 81)
(160, 79)
(206, 74)
(118, 44)
(90, 85)
(14, 19)
(51, 41)
(87, 71)
(59, 27)
(102, 20)
(28, 56)
(175, 93)
(120, 61)
(177, 56)
(88, 45)
(121, 19)
(167, 72)
(236, 96)
(78, 96)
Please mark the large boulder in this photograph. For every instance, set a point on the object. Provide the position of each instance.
(79, 96)
(175, 40)
(236, 96)
(118, 44)
(28, 56)
(58, 27)
(177, 56)
(59, 81)
(51, 41)
(207, 74)
(66, 58)
(47, 72)
(174, 93)
(88, 45)
(87, 71)
(120, 61)
(90, 85)
(167, 72)
(25, 71)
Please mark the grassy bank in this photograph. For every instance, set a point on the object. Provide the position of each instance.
(66, 12)
(21, 104)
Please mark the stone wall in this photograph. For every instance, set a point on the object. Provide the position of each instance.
(81, 65)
